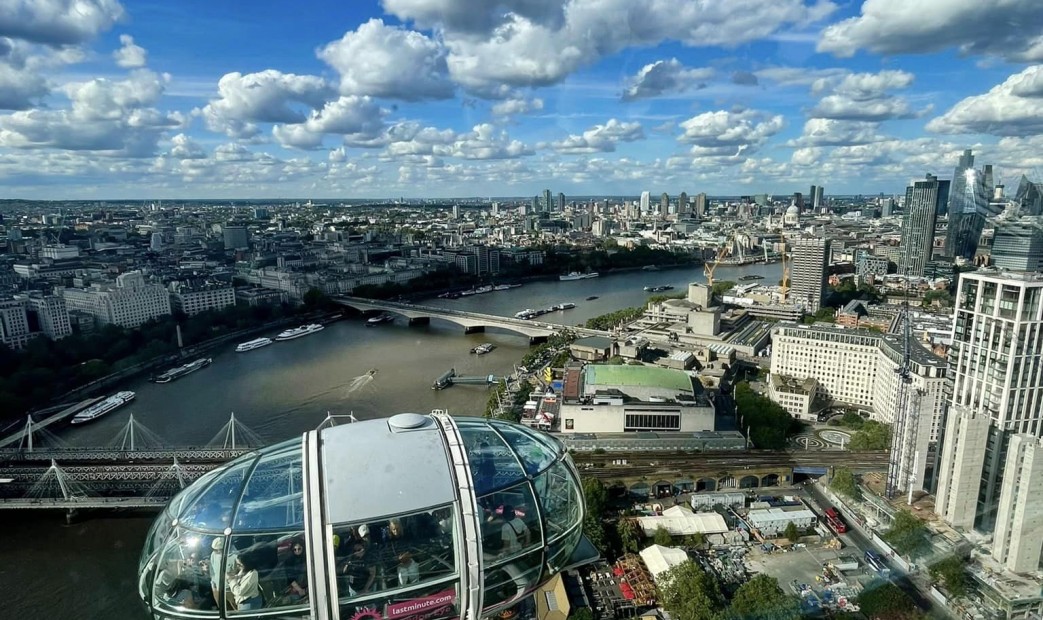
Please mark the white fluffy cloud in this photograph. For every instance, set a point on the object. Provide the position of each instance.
(183, 147)
(530, 43)
(387, 61)
(485, 141)
(1006, 28)
(1013, 108)
(833, 132)
(352, 116)
(57, 22)
(517, 105)
(269, 96)
(862, 96)
(665, 76)
(113, 117)
(129, 55)
(600, 138)
(20, 87)
(728, 132)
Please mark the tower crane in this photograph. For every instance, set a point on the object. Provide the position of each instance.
(904, 430)
(784, 286)
(722, 252)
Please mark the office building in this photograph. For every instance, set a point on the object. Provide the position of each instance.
(14, 323)
(809, 271)
(535, 205)
(561, 202)
(48, 314)
(156, 242)
(1018, 245)
(130, 302)
(547, 204)
(922, 200)
(968, 206)
(682, 205)
(236, 236)
(664, 203)
(798, 200)
(989, 478)
(1029, 197)
(859, 368)
(646, 200)
(195, 297)
(816, 196)
(869, 266)
(700, 205)
(488, 259)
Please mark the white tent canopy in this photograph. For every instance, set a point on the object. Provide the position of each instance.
(660, 559)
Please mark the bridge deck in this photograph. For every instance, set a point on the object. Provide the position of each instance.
(12, 440)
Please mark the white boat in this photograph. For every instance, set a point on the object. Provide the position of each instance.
(181, 371)
(483, 348)
(99, 409)
(524, 313)
(297, 332)
(575, 275)
(377, 320)
(568, 305)
(502, 287)
(257, 343)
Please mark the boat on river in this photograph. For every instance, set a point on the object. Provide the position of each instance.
(99, 409)
(186, 369)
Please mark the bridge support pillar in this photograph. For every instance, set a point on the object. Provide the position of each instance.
(474, 329)
(420, 320)
(537, 339)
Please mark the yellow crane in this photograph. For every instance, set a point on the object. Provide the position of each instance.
(722, 252)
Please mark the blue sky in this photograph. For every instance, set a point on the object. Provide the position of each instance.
(388, 98)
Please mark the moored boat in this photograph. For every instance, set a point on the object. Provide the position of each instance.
(181, 371)
(575, 275)
(99, 409)
(256, 343)
(297, 332)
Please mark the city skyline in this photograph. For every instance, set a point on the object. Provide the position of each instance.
(430, 98)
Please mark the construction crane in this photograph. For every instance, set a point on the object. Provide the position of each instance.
(722, 252)
(904, 430)
(784, 285)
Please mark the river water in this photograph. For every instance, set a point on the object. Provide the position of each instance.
(88, 569)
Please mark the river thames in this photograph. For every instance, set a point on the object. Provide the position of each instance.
(89, 569)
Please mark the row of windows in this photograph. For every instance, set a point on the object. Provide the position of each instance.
(640, 421)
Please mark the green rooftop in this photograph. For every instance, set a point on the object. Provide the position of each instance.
(638, 376)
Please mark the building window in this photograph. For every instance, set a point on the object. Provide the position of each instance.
(570, 424)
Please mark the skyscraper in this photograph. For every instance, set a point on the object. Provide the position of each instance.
(547, 204)
(798, 200)
(922, 200)
(809, 271)
(700, 205)
(682, 205)
(646, 200)
(1018, 245)
(236, 236)
(561, 202)
(967, 206)
(664, 203)
(989, 478)
(1029, 197)
(816, 196)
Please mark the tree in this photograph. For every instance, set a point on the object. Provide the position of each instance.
(952, 572)
(695, 540)
(315, 299)
(662, 537)
(629, 536)
(762, 598)
(720, 287)
(769, 423)
(596, 496)
(888, 602)
(872, 436)
(844, 482)
(583, 613)
(792, 533)
(688, 593)
(908, 535)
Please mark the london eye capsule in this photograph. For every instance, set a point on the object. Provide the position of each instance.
(406, 518)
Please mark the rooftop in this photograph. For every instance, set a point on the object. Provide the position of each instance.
(638, 376)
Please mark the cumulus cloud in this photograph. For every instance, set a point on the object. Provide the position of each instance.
(834, 132)
(600, 138)
(485, 141)
(269, 96)
(1009, 29)
(20, 87)
(391, 62)
(516, 106)
(113, 117)
(862, 96)
(350, 116)
(57, 22)
(520, 49)
(1013, 108)
(183, 147)
(129, 55)
(664, 76)
(723, 132)
(473, 17)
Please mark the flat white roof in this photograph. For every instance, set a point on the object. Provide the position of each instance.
(660, 559)
(680, 522)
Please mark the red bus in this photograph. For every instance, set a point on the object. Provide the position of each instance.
(834, 521)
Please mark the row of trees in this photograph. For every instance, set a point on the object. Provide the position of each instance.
(769, 423)
(610, 320)
(690, 593)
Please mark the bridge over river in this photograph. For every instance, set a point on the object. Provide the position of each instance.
(536, 331)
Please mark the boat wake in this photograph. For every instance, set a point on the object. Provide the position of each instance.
(358, 383)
